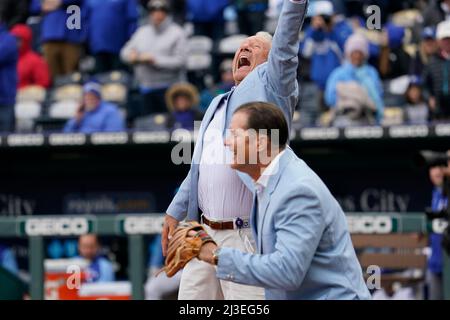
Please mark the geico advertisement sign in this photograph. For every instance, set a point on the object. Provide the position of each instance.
(142, 225)
(56, 226)
(370, 224)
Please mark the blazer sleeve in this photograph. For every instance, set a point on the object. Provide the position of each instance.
(299, 225)
(283, 57)
(179, 205)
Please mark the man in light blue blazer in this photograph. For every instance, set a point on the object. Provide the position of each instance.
(264, 69)
(304, 247)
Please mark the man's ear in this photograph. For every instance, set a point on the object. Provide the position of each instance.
(263, 143)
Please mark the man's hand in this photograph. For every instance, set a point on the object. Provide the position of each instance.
(170, 223)
(80, 113)
(186, 243)
(133, 56)
(206, 252)
(432, 103)
(146, 58)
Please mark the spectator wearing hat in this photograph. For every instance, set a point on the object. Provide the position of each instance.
(32, 69)
(437, 75)
(182, 100)
(394, 60)
(354, 90)
(207, 17)
(95, 115)
(439, 202)
(8, 78)
(177, 9)
(157, 52)
(111, 23)
(416, 109)
(427, 48)
(324, 43)
(61, 45)
(100, 268)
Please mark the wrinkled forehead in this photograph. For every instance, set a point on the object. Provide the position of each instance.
(255, 40)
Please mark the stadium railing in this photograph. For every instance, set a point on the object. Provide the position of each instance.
(136, 226)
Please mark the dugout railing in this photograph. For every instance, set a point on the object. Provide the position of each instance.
(136, 227)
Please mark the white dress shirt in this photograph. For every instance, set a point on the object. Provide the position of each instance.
(221, 193)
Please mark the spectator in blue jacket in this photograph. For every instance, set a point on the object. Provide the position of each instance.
(111, 23)
(95, 115)
(367, 89)
(8, 260)
(9, 56)
(207, 17)
(324, 43)
(394, 60)
(61, 45)
(100, 269)
(439, 202)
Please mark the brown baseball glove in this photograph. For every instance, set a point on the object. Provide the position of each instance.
(184, 247)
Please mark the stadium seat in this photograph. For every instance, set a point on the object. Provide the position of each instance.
(394, 93)
(393, 116)
(71, 92)
(65, 109)
(115, 86)
(29, 107)
(156, 122)
(26, 112)
(230, 44)
(199, 62)
(199, 44)
(115, 92)
(401, 256)
(74, 78)
(32, 93)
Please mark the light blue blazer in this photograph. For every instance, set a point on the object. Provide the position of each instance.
(304, 247)
(274, 81)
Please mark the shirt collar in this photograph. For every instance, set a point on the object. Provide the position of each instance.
(271, 170)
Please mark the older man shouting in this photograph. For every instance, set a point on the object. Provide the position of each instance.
(264, 69)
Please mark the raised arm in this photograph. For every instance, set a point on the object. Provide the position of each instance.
(283, 57)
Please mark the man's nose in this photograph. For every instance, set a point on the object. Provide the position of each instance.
(245, 47)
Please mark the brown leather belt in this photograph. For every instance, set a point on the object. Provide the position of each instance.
(224, 225)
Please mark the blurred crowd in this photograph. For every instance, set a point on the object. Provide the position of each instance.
(113, 65)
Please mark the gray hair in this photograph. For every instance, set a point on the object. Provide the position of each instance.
(265, 36)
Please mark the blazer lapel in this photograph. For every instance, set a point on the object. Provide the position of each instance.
(254, 218)
(285, 159)
(205, 123)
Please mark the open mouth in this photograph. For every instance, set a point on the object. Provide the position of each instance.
(244, 62)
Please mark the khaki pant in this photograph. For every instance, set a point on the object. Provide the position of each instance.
(199, 282)
(62, 57)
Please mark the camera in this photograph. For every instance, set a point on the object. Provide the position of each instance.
(433, 159)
